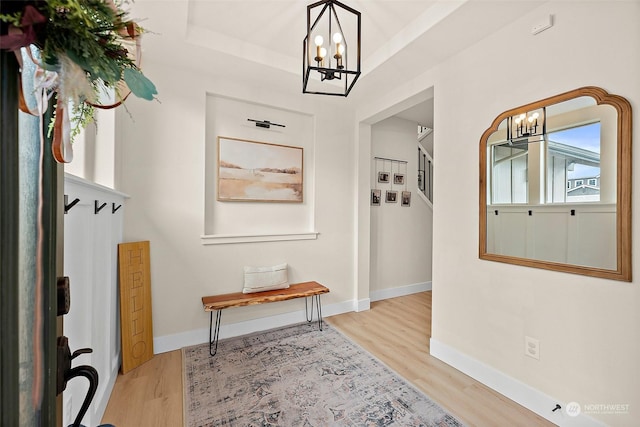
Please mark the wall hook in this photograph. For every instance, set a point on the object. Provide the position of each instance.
(114, 208)
(556, 408)
(97, 208)
(68, 206)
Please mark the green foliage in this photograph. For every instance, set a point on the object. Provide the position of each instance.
(90, 34)
(141, 86)
(87, 32)
(11, 18)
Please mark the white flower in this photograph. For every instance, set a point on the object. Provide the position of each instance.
(74, 84)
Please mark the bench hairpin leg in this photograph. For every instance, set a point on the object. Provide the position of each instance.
(319, 306)
(306, 309)
(316, 299)
(214, 341)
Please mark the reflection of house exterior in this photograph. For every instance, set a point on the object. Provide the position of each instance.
(583, 189)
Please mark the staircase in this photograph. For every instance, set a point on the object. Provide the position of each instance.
(425, 167)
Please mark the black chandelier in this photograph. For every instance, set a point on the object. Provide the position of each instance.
(334, 69)
(530, 126)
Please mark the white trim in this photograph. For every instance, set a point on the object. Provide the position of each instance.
(99, 405)
(171, 342)
(69, 178)
(424, 199)
(519, 392)
(423, 135)
(400, 291)
(166, 343)
(362, 305)
(223, 239)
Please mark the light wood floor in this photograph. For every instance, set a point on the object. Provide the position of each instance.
(396, 330)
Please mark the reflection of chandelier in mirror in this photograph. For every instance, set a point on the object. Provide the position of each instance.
(531, 125)
(330, 63)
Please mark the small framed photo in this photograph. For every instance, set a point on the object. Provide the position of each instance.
(376, 195)
(406, 199)
(398, 178)
(392, 197)
(383, 177)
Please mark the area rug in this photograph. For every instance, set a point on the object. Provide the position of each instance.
(299, 376)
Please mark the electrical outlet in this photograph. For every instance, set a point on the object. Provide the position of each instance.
(532, 347)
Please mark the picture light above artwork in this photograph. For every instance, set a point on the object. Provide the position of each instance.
(265, 123)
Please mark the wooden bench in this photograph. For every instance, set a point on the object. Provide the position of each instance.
(238, 299)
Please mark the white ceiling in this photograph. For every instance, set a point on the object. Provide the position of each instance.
(400, 38)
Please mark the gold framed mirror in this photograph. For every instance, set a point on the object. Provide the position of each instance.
(555, 185)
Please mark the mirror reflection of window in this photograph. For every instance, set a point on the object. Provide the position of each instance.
(573, 165)
(561, 202)
(509, 173)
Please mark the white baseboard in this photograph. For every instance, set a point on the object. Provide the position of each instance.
(400, 291)
(362, 305)
(99, 404)
(166, 343)
(519, 392)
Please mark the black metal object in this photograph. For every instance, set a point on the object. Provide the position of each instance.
(318, 306)
(114, 209)
(523, 126)
(67, 373)
(265, 123)
(68, 206)
(64, 295)
(336, 66)
(44, 408)
(9, 226)
(52, 250)
(213, 341)
(97, 207)
(214, 331)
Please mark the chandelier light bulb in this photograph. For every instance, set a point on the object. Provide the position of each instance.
(337, 38)
(319, 40)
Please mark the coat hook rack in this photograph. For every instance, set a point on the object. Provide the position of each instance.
(114, 208)
(68, 206)
(97, 208)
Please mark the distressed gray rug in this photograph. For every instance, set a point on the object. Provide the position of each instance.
(299, 376)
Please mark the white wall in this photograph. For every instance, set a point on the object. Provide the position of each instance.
(400, 236)
(228, 117)
(589, 329)
(90, 261)
(162, 167)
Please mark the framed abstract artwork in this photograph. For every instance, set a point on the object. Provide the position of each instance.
(251, 171)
